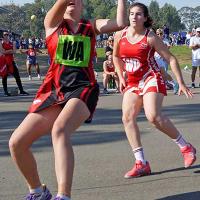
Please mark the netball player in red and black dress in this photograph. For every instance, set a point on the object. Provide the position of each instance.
(134, 50)
(8, 48)
(67, 97)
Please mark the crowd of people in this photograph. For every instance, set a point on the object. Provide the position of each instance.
(136, 59)
(24, 42)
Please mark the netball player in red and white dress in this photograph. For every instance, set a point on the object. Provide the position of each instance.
(134, 49)
(67, 97)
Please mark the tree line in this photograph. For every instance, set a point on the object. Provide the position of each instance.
(19, 18)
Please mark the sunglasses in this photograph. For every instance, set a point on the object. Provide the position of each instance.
(5, 34)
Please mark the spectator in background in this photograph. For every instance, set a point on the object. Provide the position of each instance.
(194, 30)
(109, 46)
(166, 31)
(195, 46)
(8, 48)
(188, 37)
(109, 74)
(163, 65)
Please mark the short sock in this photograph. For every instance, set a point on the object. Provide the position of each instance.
(37, 190)
(180, 141)
(139, 154)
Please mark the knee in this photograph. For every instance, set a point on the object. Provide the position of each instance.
(128, 118)
(154, 118)
(16, 145)
(58, 131)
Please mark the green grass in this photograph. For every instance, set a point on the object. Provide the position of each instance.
(182, 53)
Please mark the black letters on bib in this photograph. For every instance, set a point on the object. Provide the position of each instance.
(73, 50)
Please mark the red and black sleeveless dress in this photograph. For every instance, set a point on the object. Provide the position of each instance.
(66, 81)
(143, 73)
(9, 57)
(3, 67)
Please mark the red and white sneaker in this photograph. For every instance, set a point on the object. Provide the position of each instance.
(189, 155)
(139, 169)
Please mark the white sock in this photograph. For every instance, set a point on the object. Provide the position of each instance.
(64, 197)
(180, 141)
(37, 190)
(139, 154)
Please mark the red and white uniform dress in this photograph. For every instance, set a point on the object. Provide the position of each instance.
(9, 57)
(143, 73)
(64, 82)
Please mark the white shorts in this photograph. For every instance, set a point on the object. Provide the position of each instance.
(195, 62)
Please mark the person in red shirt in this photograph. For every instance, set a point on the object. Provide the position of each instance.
(8, 48)
(67, 97)
(109, 74)
(3, 67)
(134, 50)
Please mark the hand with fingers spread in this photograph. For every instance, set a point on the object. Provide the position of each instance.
(184, 89)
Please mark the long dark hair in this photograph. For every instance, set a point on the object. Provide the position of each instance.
(149, 21)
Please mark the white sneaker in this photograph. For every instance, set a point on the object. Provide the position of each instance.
(29, 77)
(39, 77)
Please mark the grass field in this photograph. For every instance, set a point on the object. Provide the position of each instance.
(182, 53)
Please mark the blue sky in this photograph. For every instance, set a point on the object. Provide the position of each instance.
(177, 3)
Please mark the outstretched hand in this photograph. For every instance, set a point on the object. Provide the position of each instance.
(183, 89)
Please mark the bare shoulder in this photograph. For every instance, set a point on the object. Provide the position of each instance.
(118, 35)
(152, 38)
(151, 35)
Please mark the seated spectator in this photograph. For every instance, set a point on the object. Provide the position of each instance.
(109, 74)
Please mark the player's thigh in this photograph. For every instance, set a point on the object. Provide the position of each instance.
(131, 105)
(34, 126)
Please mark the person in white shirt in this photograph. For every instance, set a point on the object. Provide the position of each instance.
(195, 46)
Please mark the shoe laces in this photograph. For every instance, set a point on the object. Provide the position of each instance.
(139, 165)
(32, 197)
(187, 151)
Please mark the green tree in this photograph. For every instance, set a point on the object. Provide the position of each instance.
(14, 19)
(99, 9)
(154, 13)
(169, 15)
